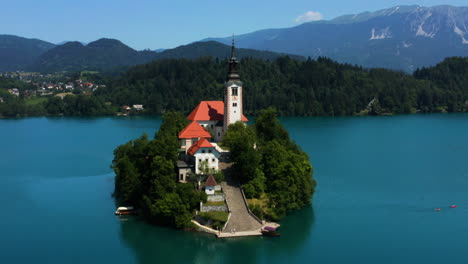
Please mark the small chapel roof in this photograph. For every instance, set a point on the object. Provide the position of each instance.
(211, 181)
(202, 143)
(194, 130)
(209, 111)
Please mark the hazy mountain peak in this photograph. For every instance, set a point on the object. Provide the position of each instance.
(401, 37)
(106, 43)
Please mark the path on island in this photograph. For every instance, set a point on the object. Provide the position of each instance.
(241, 222)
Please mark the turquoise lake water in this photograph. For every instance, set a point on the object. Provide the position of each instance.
(379, 180)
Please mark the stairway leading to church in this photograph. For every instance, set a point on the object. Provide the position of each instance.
(241, 220)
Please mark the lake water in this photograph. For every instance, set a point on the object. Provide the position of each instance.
(379, 180)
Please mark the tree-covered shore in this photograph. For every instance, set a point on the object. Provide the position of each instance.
(146, 176)
(271, 168)
(266, 162)
(319, 87)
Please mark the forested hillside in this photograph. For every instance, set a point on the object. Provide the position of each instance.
(300, 88)
(293, 87)
(17, 53)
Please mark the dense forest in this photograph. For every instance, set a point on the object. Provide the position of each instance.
(294, 87)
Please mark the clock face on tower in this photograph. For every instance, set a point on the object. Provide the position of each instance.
(234, 98)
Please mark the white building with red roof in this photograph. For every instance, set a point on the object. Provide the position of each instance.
(210, 120)
(210, 114)
(204, 154)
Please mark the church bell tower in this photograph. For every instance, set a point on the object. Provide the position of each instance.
(232, 93)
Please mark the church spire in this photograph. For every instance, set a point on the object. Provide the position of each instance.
(233, 74)
(233, 49)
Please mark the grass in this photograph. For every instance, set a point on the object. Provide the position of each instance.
(259, 207)
(214, 203)
(215, 216)
(262, 202)
(35, 100)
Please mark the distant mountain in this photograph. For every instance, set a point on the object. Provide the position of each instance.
(102, 54)
(403, 37)
(217, 50)
(109, 54)
(17, 53)
(66, 41)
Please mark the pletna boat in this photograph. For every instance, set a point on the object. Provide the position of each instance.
(270, 233)
(125, 210)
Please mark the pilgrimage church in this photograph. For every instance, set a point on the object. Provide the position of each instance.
(208, 123)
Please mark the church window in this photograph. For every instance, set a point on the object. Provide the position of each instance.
(199, 160)
(209, 151)
(212, 126)
(206, 160)
(203, 151)
(213, 160)
(234, 91)
(234, 104)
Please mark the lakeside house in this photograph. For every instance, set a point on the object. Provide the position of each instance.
(14, 91)
(199, 152)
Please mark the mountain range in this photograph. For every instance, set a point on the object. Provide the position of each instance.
(18, 53)
(402, 37)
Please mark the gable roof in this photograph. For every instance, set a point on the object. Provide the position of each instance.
(209, 111)
(194, 130)
(202, 143)
(211, 181)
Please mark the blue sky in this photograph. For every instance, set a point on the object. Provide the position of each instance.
(165, 24)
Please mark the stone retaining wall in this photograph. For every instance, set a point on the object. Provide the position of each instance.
(218, 208)
(216, 198)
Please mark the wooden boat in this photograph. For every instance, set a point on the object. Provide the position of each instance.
(125, 210)
(270, 233)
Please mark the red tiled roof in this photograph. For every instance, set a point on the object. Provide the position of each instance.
(202, 143)
(211, 181)
(209, 111)
(194, 130)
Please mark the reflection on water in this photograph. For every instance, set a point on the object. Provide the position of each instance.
(153, 244)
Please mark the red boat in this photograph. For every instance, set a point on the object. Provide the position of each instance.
(270, 231)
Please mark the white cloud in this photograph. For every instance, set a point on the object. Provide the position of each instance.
(309, 16)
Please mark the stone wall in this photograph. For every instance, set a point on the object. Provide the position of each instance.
(216, 198)
(218, 208)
